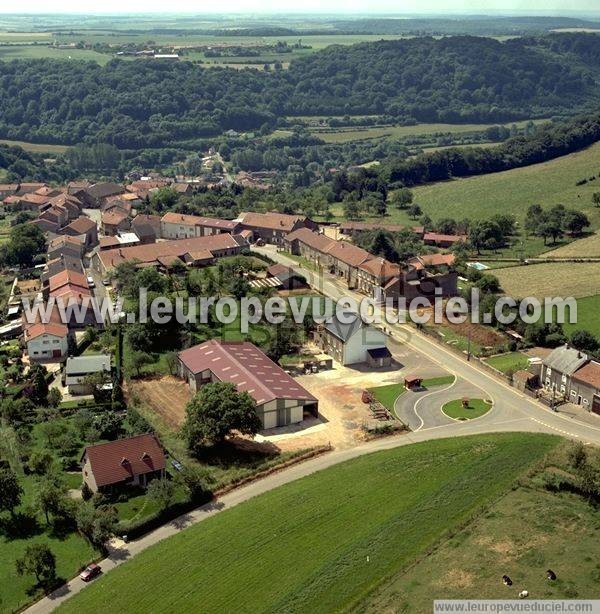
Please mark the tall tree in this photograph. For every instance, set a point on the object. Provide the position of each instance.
(216, 411)
(10, 491)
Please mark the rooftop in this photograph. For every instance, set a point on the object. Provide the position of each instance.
(244, 365)
(89, 363)
(119, 460)
(565, 359)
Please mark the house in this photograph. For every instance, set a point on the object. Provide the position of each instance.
(133, 461)
(286, 276)
(524, 380)
(352, 229)
(183, 188)
(179, 226)
(29, 187)
(94, 196)
(8, 189)
(56, 214)
(59, 264)
(350, 343)
(46, 226)
(114, 221)
(558, 368)
(585, 387)
(147, 228)
(197, 251)
(374, 274)
(339, 258)
(83, 227)
(72, 205)
(441, 240)
(80, 367)
(273, 227)
(65, 245)
(65, 277)
(33, 202)
(280, 400)
(123, 239)
(46, 342)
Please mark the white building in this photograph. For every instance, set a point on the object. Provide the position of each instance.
(47, 342)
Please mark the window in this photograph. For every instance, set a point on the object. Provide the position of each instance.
(562, 388)
(586, 402)
(564, 379)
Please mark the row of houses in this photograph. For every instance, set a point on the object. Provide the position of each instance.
(352, 229)
(571, 375)
(372, 275)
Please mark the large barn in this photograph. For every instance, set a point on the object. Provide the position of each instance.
(280, 399)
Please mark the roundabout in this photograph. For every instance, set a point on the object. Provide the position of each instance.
(466, 408)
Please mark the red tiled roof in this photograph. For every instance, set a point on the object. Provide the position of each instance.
(39, 329)
(67, 277)
(244, 365)
(313, 239)
(196, 220)
(36, 199)
(117, 461)
(348, 253)
(82, 225)
(426, 260)
(114, 216)
(589, 374)
(272, 220)
(176, 247)
(381, 268)
(439, 238)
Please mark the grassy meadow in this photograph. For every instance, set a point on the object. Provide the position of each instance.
(326, 541)
(588, 315)
(36, 147)
(561, 534)
(512, 361)
(564, 279)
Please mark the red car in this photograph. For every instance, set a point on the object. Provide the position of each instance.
(90, 572)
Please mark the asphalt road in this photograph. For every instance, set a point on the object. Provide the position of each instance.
(512, 411)
(510, 404)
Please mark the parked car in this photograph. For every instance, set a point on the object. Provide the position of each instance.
(90, 572)
(91, 282)
(106, 282)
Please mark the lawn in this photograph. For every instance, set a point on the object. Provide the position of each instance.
(511, 362)
(475, 409)
(71, 550)
(588, 310)
(324, 542)
(388, 394)
(561, 534)
(549, 279)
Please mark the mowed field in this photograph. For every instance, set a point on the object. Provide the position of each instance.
(36, 147)
(326, 542)
(588, 315)
(36, 52)
(565, 279)
(588, 247)
(561, 534)
(513, 191)
(342, 135)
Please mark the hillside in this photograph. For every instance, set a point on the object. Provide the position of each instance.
(324, 542)
(154, 104)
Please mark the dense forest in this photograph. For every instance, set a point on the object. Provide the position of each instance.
(549, 141)
(146, 104)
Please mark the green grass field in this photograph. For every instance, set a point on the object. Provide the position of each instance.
(388, 394)
(36, 52)
(343, 134)
(475, 409)
(324, 542)
(513, 361)
(588, 318)
(71, 550)
(36, 147)
(511, 191)
(561, 534)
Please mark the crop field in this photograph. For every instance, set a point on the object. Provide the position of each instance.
(36, 147)
(36, 52)
(561, 534)
(324, 542)
(564, 279)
